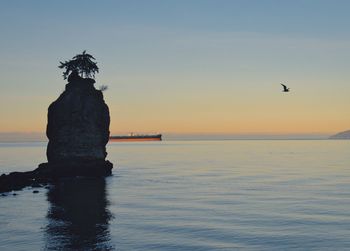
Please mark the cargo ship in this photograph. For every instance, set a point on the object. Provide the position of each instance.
(137, 137)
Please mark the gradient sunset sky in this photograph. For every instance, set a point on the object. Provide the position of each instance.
(183, 66)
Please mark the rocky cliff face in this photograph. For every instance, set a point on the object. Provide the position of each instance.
(78, 124)
(78, 130)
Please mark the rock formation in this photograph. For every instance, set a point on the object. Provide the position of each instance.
(78, 131)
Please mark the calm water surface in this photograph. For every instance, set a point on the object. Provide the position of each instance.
(187, 195)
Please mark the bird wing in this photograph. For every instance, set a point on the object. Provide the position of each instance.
(284, 86)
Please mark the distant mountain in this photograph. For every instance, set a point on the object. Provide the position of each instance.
(341, 135)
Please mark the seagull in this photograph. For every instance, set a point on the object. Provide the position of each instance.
(285, 88)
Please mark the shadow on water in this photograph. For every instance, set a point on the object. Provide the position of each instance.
(78, 216)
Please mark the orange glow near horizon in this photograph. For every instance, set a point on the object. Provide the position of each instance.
(206, 109)
(212, 123)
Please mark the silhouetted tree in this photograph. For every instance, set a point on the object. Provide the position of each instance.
(83, 64)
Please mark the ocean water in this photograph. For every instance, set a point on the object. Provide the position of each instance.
(187, 195)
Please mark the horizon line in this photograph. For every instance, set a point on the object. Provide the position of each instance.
(17, 137)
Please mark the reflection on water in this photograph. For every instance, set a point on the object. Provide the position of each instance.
(189, 195)
(78, 217)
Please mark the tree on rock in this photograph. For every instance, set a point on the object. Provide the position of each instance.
(83, 64)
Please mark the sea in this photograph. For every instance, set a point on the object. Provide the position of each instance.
(186, 195)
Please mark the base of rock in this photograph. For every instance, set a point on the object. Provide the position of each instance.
(48, 172)
(95, 168)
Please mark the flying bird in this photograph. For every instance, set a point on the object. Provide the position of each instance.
(285, 88)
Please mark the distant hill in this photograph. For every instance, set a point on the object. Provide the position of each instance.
(341, 135)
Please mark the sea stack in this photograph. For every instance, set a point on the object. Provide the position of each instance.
(78, 131)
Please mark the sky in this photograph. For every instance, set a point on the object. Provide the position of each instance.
(183, 66)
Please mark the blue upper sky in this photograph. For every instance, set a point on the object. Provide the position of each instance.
(313, 18)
